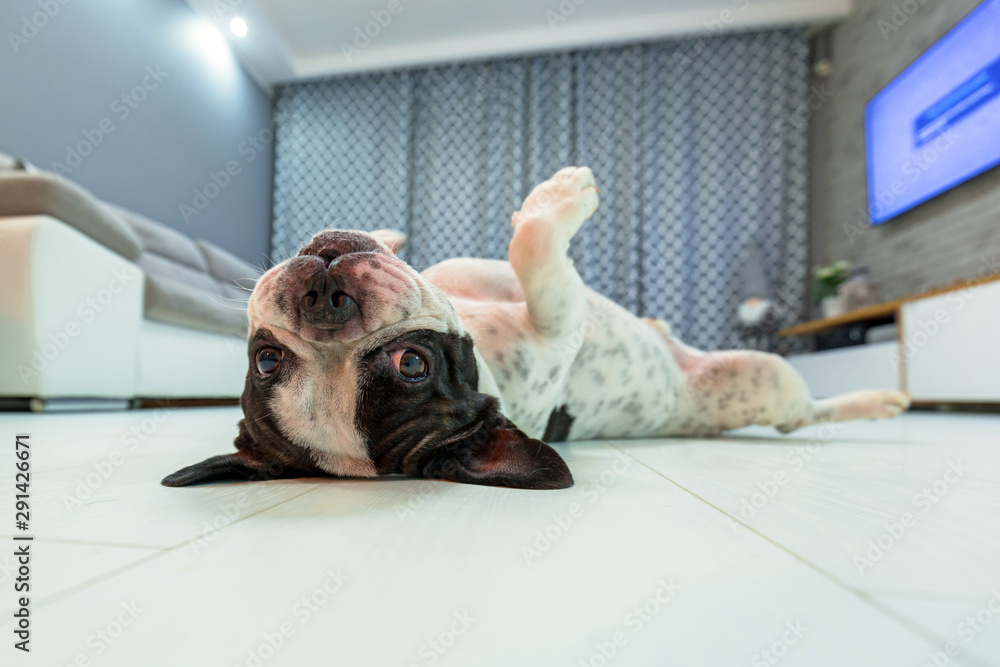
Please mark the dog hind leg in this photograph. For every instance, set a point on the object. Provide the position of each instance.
(730, 390)
(862, 404)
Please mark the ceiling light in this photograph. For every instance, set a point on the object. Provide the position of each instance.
(213, 43)
(238, 26)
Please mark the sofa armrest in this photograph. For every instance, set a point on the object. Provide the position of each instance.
(40, 193)
(70, 311)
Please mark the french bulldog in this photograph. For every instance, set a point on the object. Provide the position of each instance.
(361, 366)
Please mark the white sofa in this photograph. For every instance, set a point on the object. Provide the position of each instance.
(99, 305)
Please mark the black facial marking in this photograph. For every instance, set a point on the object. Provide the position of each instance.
(263, 453)
(560, 421)
(396, 416)
(442, 426)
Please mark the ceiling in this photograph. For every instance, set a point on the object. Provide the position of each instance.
(291, 40)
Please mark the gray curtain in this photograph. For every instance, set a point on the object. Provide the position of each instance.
(699, 148)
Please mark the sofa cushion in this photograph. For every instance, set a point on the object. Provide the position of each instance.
(177, 303)
(158, 266)
(226, 267)
(163, 240)
(41, 193)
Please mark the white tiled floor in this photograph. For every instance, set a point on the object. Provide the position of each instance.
(675, 552)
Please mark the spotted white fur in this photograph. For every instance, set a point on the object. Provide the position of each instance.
(552, 343)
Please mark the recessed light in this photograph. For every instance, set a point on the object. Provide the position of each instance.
(238, 26)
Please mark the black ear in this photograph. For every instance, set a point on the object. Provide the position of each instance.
(241, 465)
(500, 456)
(261, 455)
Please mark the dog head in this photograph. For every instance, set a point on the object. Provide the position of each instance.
(360, 367)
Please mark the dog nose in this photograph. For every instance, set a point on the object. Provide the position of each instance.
(332, 308)
(324, 304)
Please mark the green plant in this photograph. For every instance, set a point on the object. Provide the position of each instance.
(828, 279)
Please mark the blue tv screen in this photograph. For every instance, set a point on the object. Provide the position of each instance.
(938, 123)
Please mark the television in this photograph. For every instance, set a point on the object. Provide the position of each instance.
(937, 124)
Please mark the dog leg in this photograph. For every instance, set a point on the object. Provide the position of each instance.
(863, 404)
(548, 219)
(730, 390)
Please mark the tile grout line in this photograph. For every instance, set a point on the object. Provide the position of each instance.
(163, 551)
(909, 624)
(89, 543)
(84, 585)
(248, 516)
(923, 597)
(762, 440)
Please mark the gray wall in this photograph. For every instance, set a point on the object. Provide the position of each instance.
(951, 237)
(62, 86)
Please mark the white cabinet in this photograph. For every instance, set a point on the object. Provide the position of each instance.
(948, 351)
(951, 346)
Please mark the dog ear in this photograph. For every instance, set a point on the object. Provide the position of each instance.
(256, 460)
(241, 465)
(394, 239)
(500, 456)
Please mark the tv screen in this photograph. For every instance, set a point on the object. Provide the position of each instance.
(938, 123)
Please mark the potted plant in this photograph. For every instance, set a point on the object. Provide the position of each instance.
(828, 280)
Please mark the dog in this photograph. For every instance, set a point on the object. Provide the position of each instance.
(360, 366)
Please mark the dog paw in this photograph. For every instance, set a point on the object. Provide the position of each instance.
(392, 238)
(566, 200)
(887, 403)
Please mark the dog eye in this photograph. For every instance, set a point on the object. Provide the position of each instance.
(409, 364)
(268, 359)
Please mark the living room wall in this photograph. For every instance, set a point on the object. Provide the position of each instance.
(142, 105)
(952, 237)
